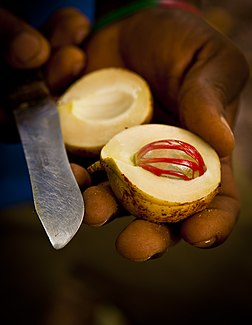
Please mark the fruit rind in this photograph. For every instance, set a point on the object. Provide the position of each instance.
(147, 207)
(164, 207)
(100, 105)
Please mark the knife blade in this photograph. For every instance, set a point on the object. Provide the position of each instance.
(56, 194)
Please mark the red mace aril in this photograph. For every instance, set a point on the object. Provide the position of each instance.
(171, 158)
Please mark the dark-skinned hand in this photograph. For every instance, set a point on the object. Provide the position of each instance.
(56, 51)
(196, 76)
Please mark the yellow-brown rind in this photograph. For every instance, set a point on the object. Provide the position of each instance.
(145, 206)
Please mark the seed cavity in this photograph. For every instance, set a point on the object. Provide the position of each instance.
(171, 158)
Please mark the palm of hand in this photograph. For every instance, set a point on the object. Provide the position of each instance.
(185, 68)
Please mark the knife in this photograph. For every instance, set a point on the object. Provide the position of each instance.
(56, 195)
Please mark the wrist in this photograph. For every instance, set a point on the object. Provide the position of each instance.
(182, 5)
(196, 3)
(135, 6)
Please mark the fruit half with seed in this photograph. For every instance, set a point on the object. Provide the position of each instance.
(161, 173)
(101, 104)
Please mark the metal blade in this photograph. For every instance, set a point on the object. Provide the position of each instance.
(57, 197)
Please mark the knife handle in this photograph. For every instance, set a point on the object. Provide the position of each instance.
(24, 88)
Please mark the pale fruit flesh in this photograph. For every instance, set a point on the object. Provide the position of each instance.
(100, 105)
(152, 197)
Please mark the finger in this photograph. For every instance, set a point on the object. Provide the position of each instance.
(142, 240)
(100, 204)
(208, 91)
(64, 66)
(81, 175)
(21, 46)
(213, 226)
(67, 26)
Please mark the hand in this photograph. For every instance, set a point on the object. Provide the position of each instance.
(196, 75)
(56, 51)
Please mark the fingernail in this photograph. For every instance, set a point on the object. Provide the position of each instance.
(156, 256)
(80, 35)
(25, 46)
(224, 121)
(205, 243)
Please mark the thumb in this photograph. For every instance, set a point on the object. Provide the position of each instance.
(209, 98)
(21, 45)
(67, 26)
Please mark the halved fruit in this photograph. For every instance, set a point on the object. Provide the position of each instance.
(165, 196)
(101, 104)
